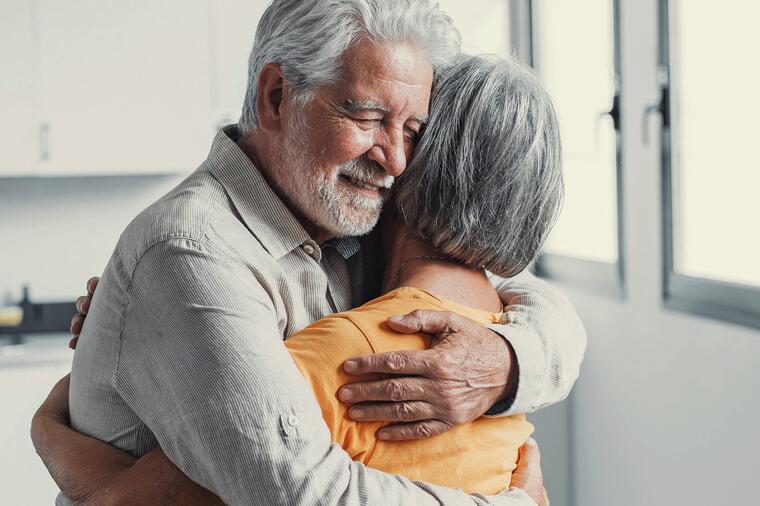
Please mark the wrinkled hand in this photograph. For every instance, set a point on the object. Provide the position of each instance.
(83, 307)
(466, 371)
(528, 476)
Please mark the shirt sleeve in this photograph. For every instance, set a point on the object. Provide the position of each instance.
(548, 338)
(201, 363)
(319, 352)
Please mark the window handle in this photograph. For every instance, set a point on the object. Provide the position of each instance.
(662, 107)
(613, 113)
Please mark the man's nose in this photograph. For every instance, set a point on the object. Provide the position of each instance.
(390, 152)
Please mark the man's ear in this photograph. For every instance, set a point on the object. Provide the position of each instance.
(269, 97)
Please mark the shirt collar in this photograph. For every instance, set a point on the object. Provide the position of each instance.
(265, 215)
(260, 208)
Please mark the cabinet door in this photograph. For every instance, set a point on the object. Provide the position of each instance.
(233, 27)
(124, 85)
(27, 374)
(19, 122)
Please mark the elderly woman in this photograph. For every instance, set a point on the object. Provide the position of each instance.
(480, 195)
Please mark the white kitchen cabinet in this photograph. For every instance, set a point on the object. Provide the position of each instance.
(27, 374)
(19, 121)
(232, 29)
(124, 86)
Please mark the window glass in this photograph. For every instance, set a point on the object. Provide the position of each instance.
(486, 32)
(716, 184)
(574, 56)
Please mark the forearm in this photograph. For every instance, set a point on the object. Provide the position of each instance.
(81, 466)
(548, 339)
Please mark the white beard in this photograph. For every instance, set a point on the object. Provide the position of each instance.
(327, 200)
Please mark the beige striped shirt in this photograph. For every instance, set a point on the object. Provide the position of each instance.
(182, 347)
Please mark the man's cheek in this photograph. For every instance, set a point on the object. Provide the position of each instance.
(348, 144)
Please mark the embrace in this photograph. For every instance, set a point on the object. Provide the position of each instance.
(335, 307)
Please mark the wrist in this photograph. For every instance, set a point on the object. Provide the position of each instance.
(510, 375)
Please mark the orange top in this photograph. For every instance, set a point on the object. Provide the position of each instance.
(477, 457)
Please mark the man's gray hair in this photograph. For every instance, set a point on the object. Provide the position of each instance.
(308, 37)
(485, 184)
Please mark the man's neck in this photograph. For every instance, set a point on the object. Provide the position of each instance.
(410, 262)
(255, 148)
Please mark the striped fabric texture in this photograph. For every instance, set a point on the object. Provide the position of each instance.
(183, 348)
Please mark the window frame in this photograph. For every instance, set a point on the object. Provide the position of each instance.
(722, 300)
(607, 278)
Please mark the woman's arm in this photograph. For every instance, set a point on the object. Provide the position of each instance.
(89, 471)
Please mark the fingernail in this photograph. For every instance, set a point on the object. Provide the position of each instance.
(382, 435)
(396, 319)
(356, 413)
(349, 366)
(345, 394)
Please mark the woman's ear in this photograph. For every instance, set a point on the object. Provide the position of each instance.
(269, 97)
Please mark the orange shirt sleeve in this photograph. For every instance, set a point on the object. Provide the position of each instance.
(319, 352)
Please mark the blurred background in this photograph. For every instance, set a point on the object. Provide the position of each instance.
(105, 105)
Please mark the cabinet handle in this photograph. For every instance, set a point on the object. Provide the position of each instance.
(45, 142)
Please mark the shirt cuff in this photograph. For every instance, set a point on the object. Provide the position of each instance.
(530, 360)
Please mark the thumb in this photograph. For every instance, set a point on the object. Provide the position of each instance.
(423, 320)
(530, 455)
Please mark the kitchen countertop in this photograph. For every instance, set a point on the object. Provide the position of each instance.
(35, 349)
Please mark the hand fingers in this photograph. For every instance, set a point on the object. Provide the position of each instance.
(92, 283)
(73, 343)
(392, 412)
(76, 324)
(417, 430)
(393, 362)
(394, 389)
(83, 304)
(530, 451)
(424, 320)
(530, 456)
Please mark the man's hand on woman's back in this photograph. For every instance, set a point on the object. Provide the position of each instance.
(83, 307)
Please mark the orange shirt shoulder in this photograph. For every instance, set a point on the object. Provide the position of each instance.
(476, 457)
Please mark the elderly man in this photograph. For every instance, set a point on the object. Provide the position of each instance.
(183, 343)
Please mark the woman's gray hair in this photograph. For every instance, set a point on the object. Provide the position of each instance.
(308, 37)
(485, 184)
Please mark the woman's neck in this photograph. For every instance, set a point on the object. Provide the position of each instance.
(410, 262)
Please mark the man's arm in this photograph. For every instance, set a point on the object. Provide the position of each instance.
(548, 340)
(471, 370)
(203, 366)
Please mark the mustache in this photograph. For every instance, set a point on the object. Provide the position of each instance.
(366, 171)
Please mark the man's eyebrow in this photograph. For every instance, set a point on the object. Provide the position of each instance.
(365, 105)
(422, 118)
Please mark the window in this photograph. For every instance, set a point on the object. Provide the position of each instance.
(712, 173)
(574, 53)
(485, 33)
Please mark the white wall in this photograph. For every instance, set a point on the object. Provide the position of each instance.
(666, 411)
(57, 232)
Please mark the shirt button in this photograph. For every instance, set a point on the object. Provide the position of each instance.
(293, 421)
(309, 249)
